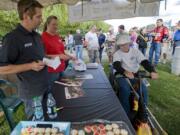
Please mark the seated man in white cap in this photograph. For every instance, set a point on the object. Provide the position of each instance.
(127, 61)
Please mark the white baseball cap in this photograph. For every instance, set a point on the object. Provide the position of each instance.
(123, 39)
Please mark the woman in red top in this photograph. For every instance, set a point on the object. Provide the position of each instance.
(54, 47)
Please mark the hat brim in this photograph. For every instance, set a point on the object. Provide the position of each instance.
(122, 43)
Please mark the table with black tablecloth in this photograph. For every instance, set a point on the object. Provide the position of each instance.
(99, 102)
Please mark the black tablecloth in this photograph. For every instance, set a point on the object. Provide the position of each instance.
(100, 101)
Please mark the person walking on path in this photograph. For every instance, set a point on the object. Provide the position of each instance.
(176, 38)
(101, 39)
(160, 35)
(110, 41)
(70, 42)
(91, 40)
(78, 42)
(142, 41)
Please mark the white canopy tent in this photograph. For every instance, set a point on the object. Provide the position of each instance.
(113, 9)
(12, 4)
(85, 10)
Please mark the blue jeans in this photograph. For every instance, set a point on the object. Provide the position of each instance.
(143, 50)
(176, 44)
(70, 47)
(93, 56)
(79, 51)
(125, 90)
(100, 53)
(157, 48)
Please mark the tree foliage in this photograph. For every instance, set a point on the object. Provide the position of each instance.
(9, 19)
(61, 11)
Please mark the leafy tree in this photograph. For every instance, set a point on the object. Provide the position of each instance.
(9, 20)
(61, 11)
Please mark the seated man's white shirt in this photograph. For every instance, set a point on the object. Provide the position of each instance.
(131, 60)
(92, 40)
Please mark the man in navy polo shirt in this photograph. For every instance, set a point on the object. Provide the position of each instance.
(22, 53)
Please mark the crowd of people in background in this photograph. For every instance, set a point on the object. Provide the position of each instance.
(159, 41)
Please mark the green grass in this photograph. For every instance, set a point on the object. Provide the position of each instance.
(164, 99)
(5, 129)
(18, 115)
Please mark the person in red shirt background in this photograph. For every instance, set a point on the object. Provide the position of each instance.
(54, 47)
(160, 35)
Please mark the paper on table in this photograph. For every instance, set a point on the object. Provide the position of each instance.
(79, 65)
(70, 82)
(84, 76)
(54, 62)
(74, 92)
(92, 65)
